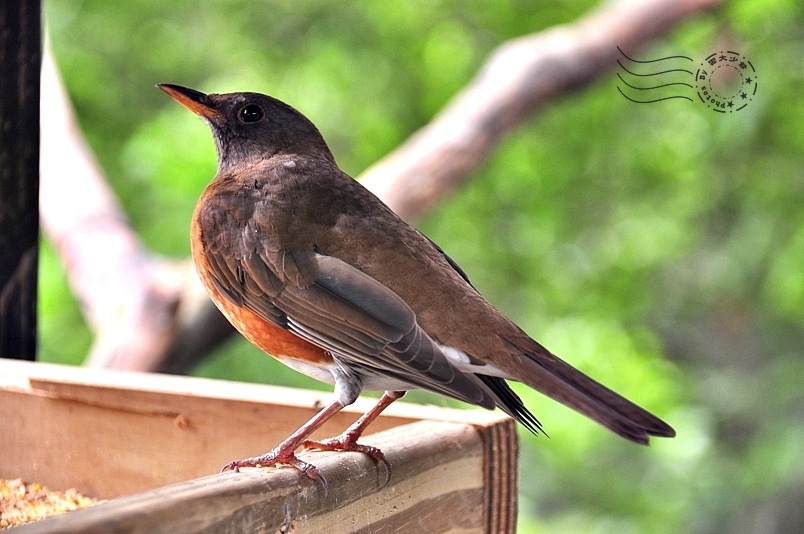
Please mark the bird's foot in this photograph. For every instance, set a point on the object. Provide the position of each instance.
(275, 458)
(346, 442)
(345, 445)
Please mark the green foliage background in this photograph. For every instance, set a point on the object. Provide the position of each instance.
(660, 247)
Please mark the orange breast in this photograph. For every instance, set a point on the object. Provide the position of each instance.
(275, 341)
(272, 339)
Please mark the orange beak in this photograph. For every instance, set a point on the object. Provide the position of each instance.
(195, 101)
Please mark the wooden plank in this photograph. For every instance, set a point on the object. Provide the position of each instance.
(437, 477)
(501, 477)
(20, 60)
(106, 386)
(109, 433)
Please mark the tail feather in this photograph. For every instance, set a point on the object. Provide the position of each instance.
(510, 403)
(565, 384)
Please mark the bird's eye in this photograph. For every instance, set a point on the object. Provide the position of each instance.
(251, 113)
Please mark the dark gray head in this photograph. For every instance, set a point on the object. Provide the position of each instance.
(249, 127)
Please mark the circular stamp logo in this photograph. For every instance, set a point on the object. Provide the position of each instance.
(726, 82)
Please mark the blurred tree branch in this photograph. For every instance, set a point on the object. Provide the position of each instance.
(150, 313)
(520, 76)
(129, 297)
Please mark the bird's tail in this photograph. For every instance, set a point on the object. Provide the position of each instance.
(565, 384)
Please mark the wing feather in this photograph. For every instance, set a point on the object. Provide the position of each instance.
(339, 308)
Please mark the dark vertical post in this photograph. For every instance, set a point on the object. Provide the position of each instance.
(20, 63)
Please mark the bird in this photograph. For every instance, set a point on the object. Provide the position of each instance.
(315, 270)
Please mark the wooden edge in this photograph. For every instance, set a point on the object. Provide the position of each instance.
(108, 396)
(440, 475)
(501, 474)
(92, 386)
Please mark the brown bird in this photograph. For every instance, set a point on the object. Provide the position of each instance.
(316, 271)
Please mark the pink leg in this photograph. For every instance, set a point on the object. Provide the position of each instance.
(348, 440)
(284, 454)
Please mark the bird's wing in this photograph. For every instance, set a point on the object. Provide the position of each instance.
(343, 310)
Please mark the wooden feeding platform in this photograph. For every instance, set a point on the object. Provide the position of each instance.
(152, 443)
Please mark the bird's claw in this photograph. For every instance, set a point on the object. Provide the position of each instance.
(274, 459)
(277, 458)
(344, 443)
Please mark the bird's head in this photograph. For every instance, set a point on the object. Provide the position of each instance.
(249, 127)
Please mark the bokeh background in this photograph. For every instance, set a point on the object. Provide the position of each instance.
(660, 247)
